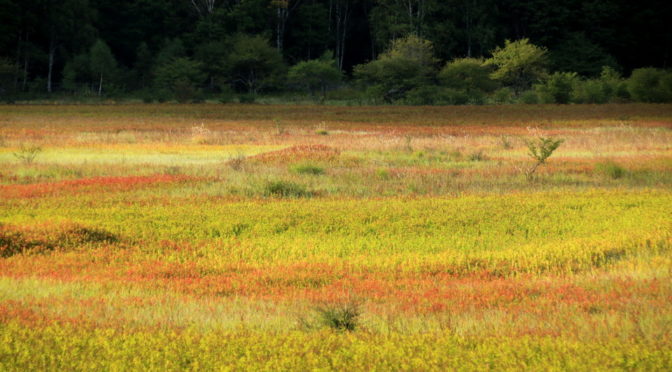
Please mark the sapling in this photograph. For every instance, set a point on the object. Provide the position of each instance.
(540, 150)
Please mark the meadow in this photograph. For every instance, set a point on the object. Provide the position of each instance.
(262, 237)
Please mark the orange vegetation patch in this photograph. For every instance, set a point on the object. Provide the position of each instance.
(81, 185)
(299, 152)
(413, 292)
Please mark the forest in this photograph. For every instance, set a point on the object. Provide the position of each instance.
(363, 51)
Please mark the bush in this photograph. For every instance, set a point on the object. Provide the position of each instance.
(285, 189)
(147, 96)
(614, 86)
(345, 93)
(558, 88)
(308, 169)
(503, 96)
(185, 91)
(433, 95)
(247, 98)
(383, 174)
(650, 85)
(529, 97)
(341, 317)
(611, 170)
(477, 156)
(425, 95)
(589, 91)
(609, 87)
(227, 95)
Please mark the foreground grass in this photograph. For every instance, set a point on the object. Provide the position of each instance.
(57, 347)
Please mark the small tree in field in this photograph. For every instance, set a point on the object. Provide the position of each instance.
(540, 150)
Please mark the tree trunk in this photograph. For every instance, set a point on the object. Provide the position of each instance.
(341, 25)
(18, 62)
(100, 85)
(26, 62)
(280, 28)
(25, 70)
(52, 51)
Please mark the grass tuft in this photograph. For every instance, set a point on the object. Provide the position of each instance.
(309, 169)
(286, 189)
(611, 170)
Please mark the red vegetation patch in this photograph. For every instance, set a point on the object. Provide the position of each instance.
(86, 184)
(299, 152)
(409, 292)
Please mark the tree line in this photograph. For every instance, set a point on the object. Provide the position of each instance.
(397, 51)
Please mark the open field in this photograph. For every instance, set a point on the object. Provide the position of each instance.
(200, 237)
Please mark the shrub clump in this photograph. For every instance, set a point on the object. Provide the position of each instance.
(611, 170)
(340, 317)
(286, 189)
(309, 169)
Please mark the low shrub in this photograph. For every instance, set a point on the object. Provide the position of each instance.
(529, 97)
(503, 96)
(477, 156)
(247, 98)
(611, 169)
(286, 189)
(558, 88)
(383, 174)
(340, 317)
(308, 168)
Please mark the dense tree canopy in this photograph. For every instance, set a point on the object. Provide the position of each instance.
(73, 45)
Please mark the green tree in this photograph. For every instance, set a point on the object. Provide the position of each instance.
(181, 77)
(470, 75)
(580, 55)
(143, 64)
(171, 50)
(254, 64)
(77, 73)
(316, 75)
(102, 62)
(392, 19)
(519, 64)
(212, 56)
(67, 25)
(407, 65)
